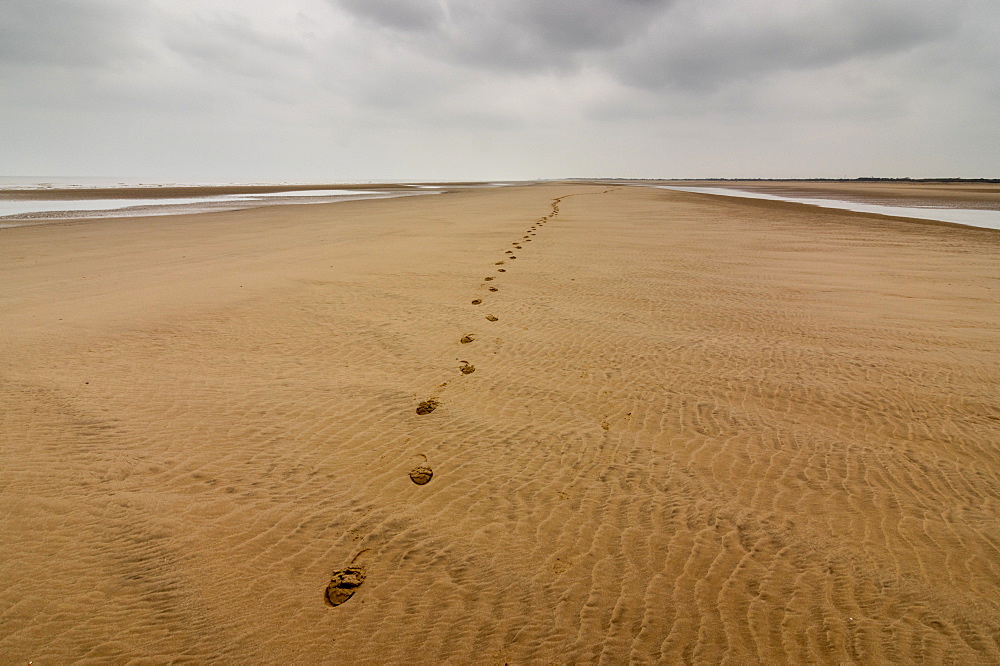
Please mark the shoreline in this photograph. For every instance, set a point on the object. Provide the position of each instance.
(960, 204)
(139, 209)
(969, 217)
(183, 191)
(68, 203)
(975, 195)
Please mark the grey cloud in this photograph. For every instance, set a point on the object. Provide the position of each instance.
(231, 47)
(66, 33)
(112, 58)
(510, 35)
(397, 14)
(688, 44)
(695, 51)
(482, 82)
(575, 25)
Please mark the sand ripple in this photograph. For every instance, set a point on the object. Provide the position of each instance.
(708, 432)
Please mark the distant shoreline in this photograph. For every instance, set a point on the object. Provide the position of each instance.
(973, 195)
(184, 191)
(21, 206)
(801, 180)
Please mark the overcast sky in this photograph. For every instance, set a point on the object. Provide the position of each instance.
(334, 90)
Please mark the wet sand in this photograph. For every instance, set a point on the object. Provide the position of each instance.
(174, 191)
(982, 196)
(674, 427)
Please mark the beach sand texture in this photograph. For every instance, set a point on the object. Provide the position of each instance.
(697, 429)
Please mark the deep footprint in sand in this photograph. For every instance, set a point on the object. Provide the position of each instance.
(421, 475)
(466, 339)
(494, 289)
(492, 318)
(510, 252)
(501, 270)
(466, 368)
(499, 263)
(487, 278)
(427, 406)
(343, 584)
(477, 301)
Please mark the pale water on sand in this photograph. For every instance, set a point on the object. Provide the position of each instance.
(19, 212)
(987, 219)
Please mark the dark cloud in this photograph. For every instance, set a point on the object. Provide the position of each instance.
(510, 35)
(699, 48)
(568, 26)
(652, 43)
(417, 15)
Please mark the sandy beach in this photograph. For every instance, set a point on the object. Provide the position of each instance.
(657, 426)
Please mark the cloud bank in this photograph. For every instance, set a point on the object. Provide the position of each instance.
(458, 89)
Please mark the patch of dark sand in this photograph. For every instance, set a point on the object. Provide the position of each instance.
(427, 406)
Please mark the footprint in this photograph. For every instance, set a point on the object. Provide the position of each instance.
(466, 339)
(345, 582)
(477, 301)
(518, 247)
(487, 278)
(466, 368)
(492, 318)
(501, 270)
(512, 257)
(343, 585)
(427, 406)
(510, 252)
(499, 263)
(421, 475)
(494, 289)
